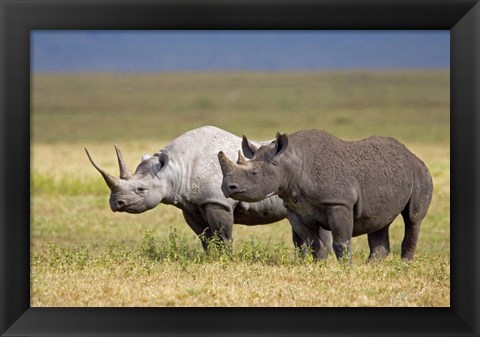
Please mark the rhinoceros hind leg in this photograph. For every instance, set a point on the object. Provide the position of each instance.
(412, 231)
(200, 228)
(379, 243)
(220, 221)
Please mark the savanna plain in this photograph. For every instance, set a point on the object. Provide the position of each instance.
(83, 254)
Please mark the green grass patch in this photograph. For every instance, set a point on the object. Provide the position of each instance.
(412, 106)
(66, 185)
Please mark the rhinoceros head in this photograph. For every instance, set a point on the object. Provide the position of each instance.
(258, 178)
(140, 191)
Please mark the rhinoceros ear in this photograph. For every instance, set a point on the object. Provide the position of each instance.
(281, 143)
(248, 148)
(162, 160)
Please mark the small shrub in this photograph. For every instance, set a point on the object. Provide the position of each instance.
(56, 256)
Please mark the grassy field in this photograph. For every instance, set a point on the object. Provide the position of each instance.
(84, 255)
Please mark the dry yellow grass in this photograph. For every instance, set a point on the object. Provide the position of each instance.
(145, 283)
(109, 267)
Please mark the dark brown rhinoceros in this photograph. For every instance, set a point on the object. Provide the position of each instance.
(348, 187)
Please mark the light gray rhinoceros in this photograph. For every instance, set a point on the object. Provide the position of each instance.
(186, 174)
(351, 188)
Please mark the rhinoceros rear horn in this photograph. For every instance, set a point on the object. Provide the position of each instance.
(241, 159)
(110, 180)
(124, 171)
(226, 164)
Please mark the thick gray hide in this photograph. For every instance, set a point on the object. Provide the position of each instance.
(186, 174)
(350, 188)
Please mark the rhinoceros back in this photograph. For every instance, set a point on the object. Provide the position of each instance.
(196, 152)
(378, 173)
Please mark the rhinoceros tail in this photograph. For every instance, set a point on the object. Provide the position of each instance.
(416, 208)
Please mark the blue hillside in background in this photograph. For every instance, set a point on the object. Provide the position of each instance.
(154, 51)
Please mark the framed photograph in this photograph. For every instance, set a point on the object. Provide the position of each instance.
(70, 266)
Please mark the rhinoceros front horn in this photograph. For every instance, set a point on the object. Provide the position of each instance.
(110, 180)
(226, 164)
(124, 171)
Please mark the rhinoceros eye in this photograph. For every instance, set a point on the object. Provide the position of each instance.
(141, 190)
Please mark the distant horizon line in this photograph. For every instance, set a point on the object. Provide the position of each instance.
(318, 70)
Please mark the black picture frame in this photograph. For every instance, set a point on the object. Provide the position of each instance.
(19, 17)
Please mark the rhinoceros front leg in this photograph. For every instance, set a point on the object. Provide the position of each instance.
(299, 243)
(200, 227)
(309, 236)
(340, 221)
(326, 238)
(324, 235)
(297, 239)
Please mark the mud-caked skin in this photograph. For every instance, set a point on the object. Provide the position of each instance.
(348, 187)
(186, 174)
